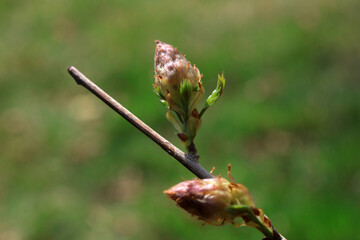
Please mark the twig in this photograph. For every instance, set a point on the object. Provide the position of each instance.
(189, 161)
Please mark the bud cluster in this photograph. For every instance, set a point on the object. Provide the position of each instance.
(179, 87)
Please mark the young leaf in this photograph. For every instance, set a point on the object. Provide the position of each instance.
(185, 90)
(217, 92)
(160, 95)
(215, 95)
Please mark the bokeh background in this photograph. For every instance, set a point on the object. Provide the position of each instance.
(288, 122)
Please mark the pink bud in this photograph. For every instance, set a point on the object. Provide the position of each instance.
(178, 84)
(208, 198)
(171, 67)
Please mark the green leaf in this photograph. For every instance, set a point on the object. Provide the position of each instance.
(185, 90)
(254, 220)
(215, 95)
(160, 95)
(158, 92)
(175, 122)
(165, 103)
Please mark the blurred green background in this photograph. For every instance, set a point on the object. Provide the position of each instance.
(288, 122)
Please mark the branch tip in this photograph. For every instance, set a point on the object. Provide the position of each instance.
(74, 73)
(70, 68)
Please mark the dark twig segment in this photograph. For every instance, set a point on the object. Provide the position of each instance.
(189, 161)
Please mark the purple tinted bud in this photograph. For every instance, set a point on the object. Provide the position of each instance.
(208, 199)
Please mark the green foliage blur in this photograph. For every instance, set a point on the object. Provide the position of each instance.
(288, 121)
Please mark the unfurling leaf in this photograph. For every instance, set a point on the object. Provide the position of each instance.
(215, 95)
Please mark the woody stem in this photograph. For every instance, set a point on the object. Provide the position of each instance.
(189, 161)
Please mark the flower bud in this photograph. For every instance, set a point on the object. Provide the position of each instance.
(171, 69)
(208, 199)
(178, 85)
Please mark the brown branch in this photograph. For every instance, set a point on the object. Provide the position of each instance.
(189, 161)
